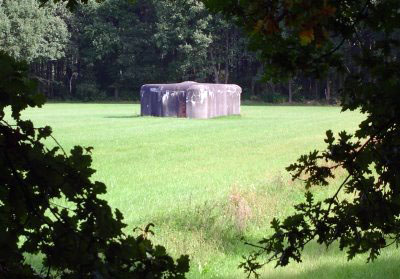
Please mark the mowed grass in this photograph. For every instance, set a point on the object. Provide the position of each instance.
(207, 183)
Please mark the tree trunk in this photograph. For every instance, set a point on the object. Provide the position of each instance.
(290, 91)
(116, 93)
(328, 90)
(227, 60)
(226, 72)
(216, 74)
(340, 82)
(216, 70)
(253, 85)
(48, 78)
(70, 85)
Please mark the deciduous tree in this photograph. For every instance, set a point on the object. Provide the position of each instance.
(310, 36)
(30, 33)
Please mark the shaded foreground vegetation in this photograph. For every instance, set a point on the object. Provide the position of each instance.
(207, 183)
(82, 238)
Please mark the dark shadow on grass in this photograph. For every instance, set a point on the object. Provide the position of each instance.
(248, 103)
(227, 117)
(122, 116)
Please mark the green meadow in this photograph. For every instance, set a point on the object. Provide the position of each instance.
(205, 184)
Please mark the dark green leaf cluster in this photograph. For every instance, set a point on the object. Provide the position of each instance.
(360, 41)
(49, 206)
(70, 4)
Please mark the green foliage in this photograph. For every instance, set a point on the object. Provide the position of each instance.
(117, 46)
(363, 214)
(70, 4)
(83, 237)
(89, 92)
(29, 33)
(155, 42)
(183, 37)
(272, 97)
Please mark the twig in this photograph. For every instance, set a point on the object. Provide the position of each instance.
(59, 145)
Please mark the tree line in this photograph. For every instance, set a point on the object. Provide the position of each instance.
(107, 50)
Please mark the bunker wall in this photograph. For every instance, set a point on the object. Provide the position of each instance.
(190, 99)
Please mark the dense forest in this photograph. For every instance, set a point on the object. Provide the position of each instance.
(106, 51)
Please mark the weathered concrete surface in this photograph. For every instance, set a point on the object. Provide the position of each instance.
(190, 99)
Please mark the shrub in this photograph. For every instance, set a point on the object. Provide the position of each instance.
(84, 239)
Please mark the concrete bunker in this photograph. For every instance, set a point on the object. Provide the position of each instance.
(190, 99)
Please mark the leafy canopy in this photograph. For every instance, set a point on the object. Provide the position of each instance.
(29, 33)
(360, 41)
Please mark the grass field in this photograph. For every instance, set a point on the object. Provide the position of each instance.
(207, 183)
